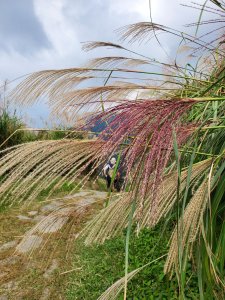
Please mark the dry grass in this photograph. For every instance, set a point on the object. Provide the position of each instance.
(185, 233)
(25, 279)
(28, 169)
(114, 218)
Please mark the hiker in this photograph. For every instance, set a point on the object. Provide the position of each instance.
(108, 173)
(118, 182)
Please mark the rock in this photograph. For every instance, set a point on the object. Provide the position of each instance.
(2, 275)
(54, 225)
(29, 243)
(82, 194)
(38, 218)
(8, 245)
(51, 206)
(78, 194)
(99, 195)
(3, 297)
(51, 269)
(55, 221)
(85, 202)
(24, 218)
(11, 285)
(32, 213)
(11, 260)
(46, 294)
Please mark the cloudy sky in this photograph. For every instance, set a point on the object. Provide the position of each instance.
(40, 34)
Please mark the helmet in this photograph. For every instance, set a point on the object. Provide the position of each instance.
(113, 160)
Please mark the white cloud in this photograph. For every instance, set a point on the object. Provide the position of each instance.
(138, 9)
(66, 23)
(57, 29)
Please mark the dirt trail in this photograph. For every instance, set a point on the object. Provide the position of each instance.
(35, 267)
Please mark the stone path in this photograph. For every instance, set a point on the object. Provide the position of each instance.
(49, 218)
